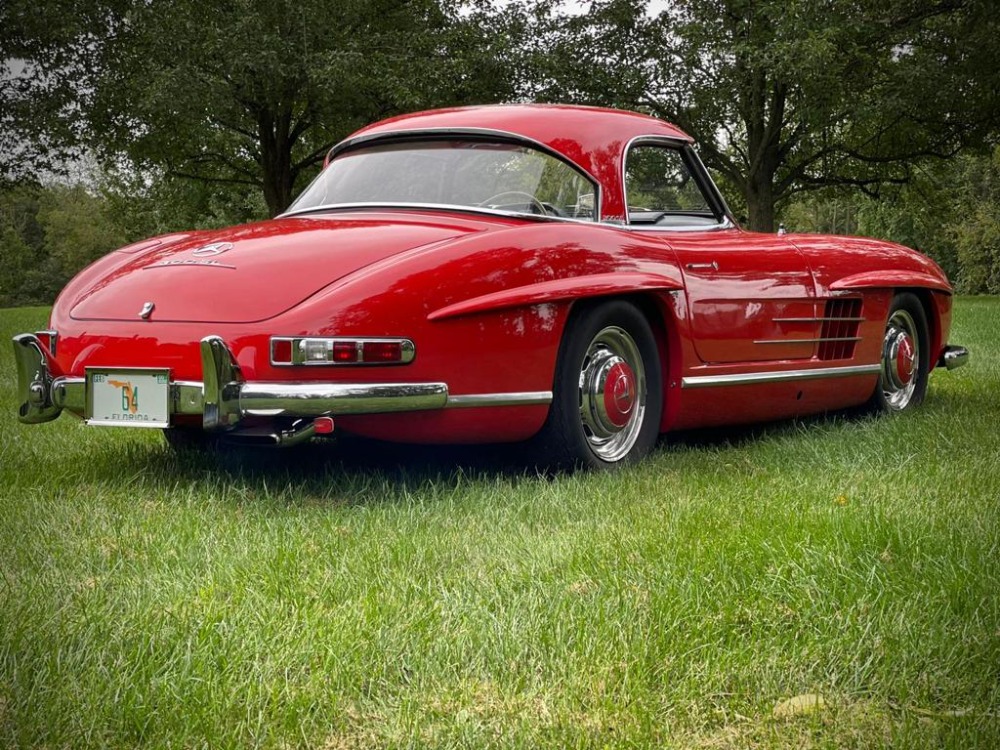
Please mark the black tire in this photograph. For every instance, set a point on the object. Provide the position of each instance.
(905, 359)
(607, 392)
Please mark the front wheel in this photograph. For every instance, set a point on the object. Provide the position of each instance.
(905, 361)
(607, 391)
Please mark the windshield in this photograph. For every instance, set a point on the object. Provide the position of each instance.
(454, 172)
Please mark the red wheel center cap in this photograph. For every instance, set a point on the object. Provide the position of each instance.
(619, 394)
(904, 360)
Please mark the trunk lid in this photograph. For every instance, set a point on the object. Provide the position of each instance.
(251, 273)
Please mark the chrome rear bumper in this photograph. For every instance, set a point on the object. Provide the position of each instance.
(223, 398)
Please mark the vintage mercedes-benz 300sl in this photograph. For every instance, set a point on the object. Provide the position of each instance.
(565, 275)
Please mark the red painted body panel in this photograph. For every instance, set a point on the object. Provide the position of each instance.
(739, 286)
(486, 297)
(596, 285)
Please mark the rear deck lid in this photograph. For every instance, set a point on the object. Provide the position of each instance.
(254, 272)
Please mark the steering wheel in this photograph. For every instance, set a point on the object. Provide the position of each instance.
(520, 197)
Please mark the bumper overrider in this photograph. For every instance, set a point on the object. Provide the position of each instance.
(223, 399)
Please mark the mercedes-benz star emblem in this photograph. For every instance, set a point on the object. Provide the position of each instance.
(216, 248)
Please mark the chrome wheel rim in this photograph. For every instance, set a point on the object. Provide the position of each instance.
(612, 394)
(900, 360)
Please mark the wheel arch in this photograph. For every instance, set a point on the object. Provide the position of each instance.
(934, 335)
(903, 380)
(658, 307)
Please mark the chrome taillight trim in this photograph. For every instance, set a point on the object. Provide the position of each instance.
(408, 351)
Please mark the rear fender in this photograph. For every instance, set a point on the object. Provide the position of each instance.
(561, 290)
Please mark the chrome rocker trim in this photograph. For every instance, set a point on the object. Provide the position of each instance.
(954, 357)
(224, 399)
(777, 376)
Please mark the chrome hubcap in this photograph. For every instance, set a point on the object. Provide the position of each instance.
(900, 360)
(612, 393)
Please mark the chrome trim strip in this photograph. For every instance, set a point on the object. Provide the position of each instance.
(432, 207)
(679, 144)
(724, 224)
(818, 320)
(954, 357)
(777, 376)
(416, 133)
(526, 398)
(806, 341)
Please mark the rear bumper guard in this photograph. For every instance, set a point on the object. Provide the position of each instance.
(223, 398)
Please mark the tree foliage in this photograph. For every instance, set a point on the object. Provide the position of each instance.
(785, 96)
(244, 92)
(47, 234)
(953, 212)
(950, 210)
(210, 114)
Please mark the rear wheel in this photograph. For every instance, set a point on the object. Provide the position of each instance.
(607, 391)
(905, 362)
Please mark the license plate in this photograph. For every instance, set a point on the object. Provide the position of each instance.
(135, 397)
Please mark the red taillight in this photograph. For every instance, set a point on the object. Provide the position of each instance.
(281, 351)
(323, 425)
(337, 351)
(345, 351)
(382, 351)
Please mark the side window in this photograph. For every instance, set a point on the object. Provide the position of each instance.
(661, 190)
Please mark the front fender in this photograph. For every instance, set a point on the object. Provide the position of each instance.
(892, 279)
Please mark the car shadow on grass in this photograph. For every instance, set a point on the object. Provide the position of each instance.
(351, 463)
(347, 459)
(365, 470)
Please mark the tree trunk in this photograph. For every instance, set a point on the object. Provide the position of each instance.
(278, 184)
(759, 194)
(276, 159)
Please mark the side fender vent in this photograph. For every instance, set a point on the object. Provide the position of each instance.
(841, 322)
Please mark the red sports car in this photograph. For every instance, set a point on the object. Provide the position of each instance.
(566, 275)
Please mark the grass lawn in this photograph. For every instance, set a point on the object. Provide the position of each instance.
(424, 599)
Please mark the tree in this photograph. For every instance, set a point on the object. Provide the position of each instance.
(244, 92)
(47, 234)
(977, 233)
(789, 95)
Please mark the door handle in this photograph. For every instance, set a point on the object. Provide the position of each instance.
(713, 266)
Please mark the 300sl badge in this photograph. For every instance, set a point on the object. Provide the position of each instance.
(189, 262)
